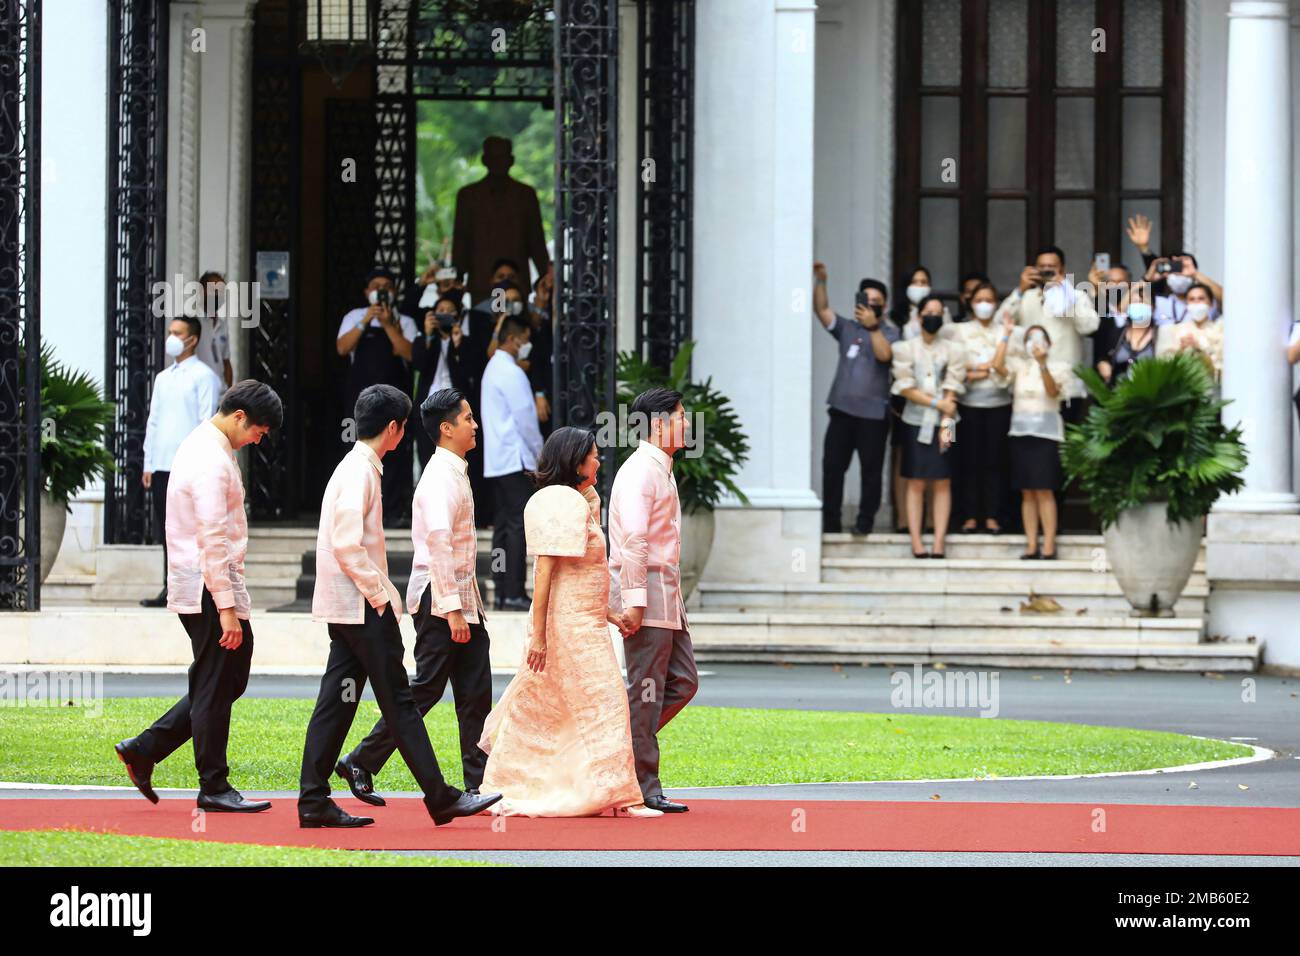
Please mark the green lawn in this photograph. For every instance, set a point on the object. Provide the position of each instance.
(704, 746)
(75, 848)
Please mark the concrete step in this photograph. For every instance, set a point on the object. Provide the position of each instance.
(1101, 597)
(1043, 576)
(924, 626)
(1076, 547)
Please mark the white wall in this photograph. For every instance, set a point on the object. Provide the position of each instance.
(74, 91)
(853, 168)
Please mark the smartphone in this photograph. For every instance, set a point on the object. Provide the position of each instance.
(1102, 261)
(861, 299)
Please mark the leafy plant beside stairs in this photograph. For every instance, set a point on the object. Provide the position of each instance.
(1156, 436)
(73, 418)
(702, 479)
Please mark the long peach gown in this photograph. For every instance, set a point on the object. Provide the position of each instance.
(559, 743)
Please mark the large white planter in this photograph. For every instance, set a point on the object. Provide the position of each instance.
(697, 542)
(1151, 558)
(54, 518)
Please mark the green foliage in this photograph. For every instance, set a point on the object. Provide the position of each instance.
(715, 427)
(1157, 436)
(449, 137)
(73, 417)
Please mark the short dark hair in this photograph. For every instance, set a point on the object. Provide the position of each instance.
(1119, 265)
(506, 261)
(1053, 251)
(984, 284)
(1201, 285)
(377, 405)
(441, 406)
(974, 275)
(656, 401)
(193, 324)
(876, 284)
(564, 452)
(512, 325)
(507, 284)
(1174, 255)
(257, 400)
(379, 272)
(927, 300)
(211, 276)
(453, 299)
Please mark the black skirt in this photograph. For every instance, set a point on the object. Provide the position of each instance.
(923, 461)
(1035, 464)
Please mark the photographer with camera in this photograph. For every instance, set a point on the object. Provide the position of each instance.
(1179, 274)
(1045, 298)
(440, 359)
(859, 399)
(377, 342)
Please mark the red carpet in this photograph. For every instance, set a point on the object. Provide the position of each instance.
(716, 825)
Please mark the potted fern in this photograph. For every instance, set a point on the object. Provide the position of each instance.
(73, 418)
(706, 470)
(1153, 455)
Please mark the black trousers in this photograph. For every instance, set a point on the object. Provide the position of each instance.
(983, 462)
(511, 493)
(358, 651)
(217, 679)
(437, 659)
(844, 435)
(158, 489)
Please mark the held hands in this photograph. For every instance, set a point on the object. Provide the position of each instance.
(459, 627)
(232, 635)
(620, 621)
(633, 616)
(948, 407)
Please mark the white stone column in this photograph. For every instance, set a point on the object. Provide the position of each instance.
(1253, 538)
(752, 241)
(1258, 244)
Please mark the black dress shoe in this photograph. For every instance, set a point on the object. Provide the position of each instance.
(516, 604)
(663, 804)
(473, 790)
(466, 805)
(332, 816)
(159, 601)
(232, 801)
(1029, 557)
(138, 767)
(359, 781)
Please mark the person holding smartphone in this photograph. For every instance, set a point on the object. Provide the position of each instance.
(858, 403)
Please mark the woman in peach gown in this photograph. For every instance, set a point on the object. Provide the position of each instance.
(559, 743)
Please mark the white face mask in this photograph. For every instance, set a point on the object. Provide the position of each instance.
(983, 310)
(1198, 311)
(1139, 313)
(524, 351)
(1036, 341)
(1179, 284)
(174, 346)
(915, 293)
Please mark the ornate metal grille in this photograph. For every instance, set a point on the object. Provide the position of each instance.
(137, 205)
(665, 53)
(20, 326)
(586, 199)
(273, 353)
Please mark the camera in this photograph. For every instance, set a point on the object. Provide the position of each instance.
(383, 297)
(1164, 268)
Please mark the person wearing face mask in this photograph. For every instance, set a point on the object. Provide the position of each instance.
(1199, 332)
(1171, 288)
(985, 414)
(439, 360)
(858, 403)
(1037, 430)
(1110, 285)
(185, 394)
(1137, 337)
(512, 440)
(929, 372)
(969, 283)
(1047, 297)
(214, 339)
(377, 342)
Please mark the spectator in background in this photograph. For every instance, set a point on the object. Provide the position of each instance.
(1037, 430)
(512, 441)
(928, 372)
(497, 217)
(1171, 308)
(185, 394)
(377, 341)
(540, 370)
(969, 283)
(858, 403)
(214, 341)
(1045, 298)
(439, 359)
(1137, 337)
(1198, 332)
(985, 408)
(1111, 286)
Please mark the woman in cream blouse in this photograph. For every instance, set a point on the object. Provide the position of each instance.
(928, 373)
(1196, 333)
(1038, 386)
(985, 414)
